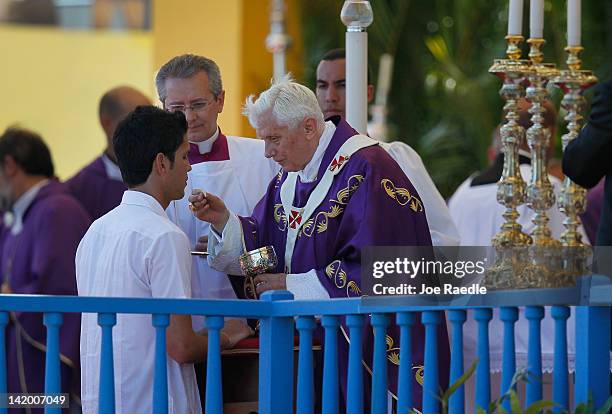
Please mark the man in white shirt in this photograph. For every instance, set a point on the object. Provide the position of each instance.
(330, 91)
(234, 168)
(136, 251)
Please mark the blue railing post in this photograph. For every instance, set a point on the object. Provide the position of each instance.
(330, 365)
(305, 381)
(52, 321)
(106, 399)
(534, 315)
(214, 388)
(160, 379)
(592, 354)
(354, 404)
(483, 381)
(4, 318)
(276, 359)
(431, 320)
(380, 321)
(405, 320)
(560, 372)
(457, 400)
(509, 316)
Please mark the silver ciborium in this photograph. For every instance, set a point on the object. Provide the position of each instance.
(256, 262)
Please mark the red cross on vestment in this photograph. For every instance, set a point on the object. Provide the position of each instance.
(337, 162)
(295, 219)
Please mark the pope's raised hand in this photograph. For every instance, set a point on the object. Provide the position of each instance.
(210, 208)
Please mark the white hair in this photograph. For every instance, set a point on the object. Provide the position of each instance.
(287, 102)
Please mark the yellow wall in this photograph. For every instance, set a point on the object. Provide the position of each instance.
(51, 81)
(209, 28)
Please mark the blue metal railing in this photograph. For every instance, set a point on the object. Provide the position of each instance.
(278, 315)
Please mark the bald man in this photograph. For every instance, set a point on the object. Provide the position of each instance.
(99, 186)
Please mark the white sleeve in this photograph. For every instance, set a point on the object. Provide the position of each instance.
(306, 286)
(169, 266)
(441, 226)
(225, 249)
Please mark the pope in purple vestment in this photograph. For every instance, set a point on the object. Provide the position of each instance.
(337, 194)
(40, 260)
(370, 203)
(96, 191)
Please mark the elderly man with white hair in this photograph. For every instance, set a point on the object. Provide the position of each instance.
(337, 193)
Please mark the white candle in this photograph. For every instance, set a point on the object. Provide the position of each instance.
(573, 22)
(536, 19)
(515, 18)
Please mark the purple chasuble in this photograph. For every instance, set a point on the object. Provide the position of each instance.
(95, 190)
(590, 218)
(40, 260)
(218, 152)
(362, 208)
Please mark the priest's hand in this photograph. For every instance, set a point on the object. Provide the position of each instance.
(210, 208)
(233, 332)
(270, 281)
(202, 244)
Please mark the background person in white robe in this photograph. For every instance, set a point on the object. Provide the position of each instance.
(234, 168)
(330, 91)
(136, 251)
(478, 216)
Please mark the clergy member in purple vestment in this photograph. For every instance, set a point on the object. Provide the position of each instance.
(98, 186)
(338, 192)
(38, 247)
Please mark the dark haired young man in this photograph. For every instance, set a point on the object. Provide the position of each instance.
(41, 230)
(136, 251)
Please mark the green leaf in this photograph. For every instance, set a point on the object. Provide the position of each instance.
(515, 404)
(606, 408)
(538, 406)
(460, 381)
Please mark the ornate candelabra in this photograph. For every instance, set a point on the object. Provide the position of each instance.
(510, 241)
(572, 201)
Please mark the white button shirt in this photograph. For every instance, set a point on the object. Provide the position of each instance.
(133, 251)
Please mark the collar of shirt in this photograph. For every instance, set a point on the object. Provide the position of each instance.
(309, 173)
(205, 146)
(112, 170)
(22, 204)
(138, 198)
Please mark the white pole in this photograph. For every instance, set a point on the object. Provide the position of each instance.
(277, 40)
(357, 16)
(357, 80)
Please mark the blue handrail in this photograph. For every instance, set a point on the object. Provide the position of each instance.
(277, 312)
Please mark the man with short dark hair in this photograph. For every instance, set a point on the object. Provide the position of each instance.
(42, 229)
(331, 95)
(98, 186)
(136, 251)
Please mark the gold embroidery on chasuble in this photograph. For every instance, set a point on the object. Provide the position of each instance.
(278, 179)
(279, 217)
(321, 220)
(340, 279)
(394, 358)
(401, 195)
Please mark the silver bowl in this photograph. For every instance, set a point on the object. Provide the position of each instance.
(258, 261)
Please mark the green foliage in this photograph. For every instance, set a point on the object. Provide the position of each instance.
(443, 101)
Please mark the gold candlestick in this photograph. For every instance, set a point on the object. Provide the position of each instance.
(540, 194)
(510, 240)
(572, 201)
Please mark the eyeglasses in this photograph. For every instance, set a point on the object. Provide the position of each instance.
(194, 107)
